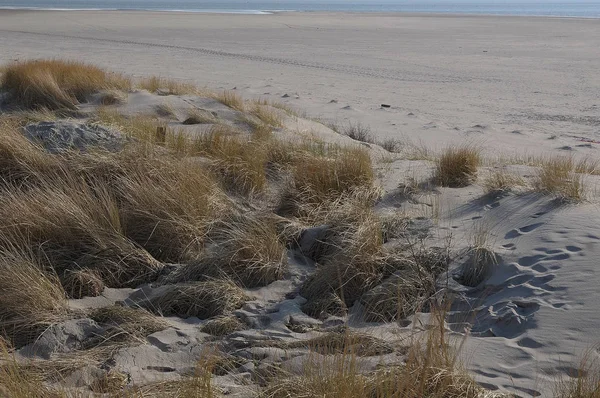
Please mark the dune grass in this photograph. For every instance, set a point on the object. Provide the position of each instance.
(199, 116)
(55, 84)
(431, 369)
(245, 248)
(31, 298)
(561, 176)
(200, 299)
(230, 99)
(500, 181)
(584, 382)
(163, 86)
(457, 166)
(223, 325)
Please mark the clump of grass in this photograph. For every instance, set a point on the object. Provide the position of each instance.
(584, 382)
(352, 261)
(162, 86)
(79, 283)
(329, 176)
(558, 176)
(392, 145)
(230, 99)
(75, 226)
(359, 132)
(199, 116)
(344, 342)
(500, 181)
(200, 299)
(166, 206)
(457, 166)
(164, 110)
(17, 381)
(223, 325)
(32, 298)
(54, 84)
(240, 164)
(125, 322)
(111, 97)
(267, 115)
(245, 248)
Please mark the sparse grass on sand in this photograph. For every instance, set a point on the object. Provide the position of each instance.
(163, 86)
(199, 116)
(54, 84)
(457, 166)
(500, 181)
(561, 176)
(231, 99)
(584, 382)
(430, 370)
(359, 132)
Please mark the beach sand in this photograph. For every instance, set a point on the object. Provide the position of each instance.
(480, 78)
(512, 85)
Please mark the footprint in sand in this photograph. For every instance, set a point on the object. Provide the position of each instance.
(515, 233)
(527, 342)
(530, 391)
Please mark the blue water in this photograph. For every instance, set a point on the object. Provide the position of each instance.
(580, 8)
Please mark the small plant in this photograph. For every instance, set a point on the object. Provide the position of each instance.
(223, 325)
(31, 298)
(165, 110)
(457, 166)
(358, 132)
(558, 176)
(500, 181)
(392, 145)
(200, 299)
(161, 86)
(231, 99)
(199, 116)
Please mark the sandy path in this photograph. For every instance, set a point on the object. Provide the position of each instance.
(447, 78)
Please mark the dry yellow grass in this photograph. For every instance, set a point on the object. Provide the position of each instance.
(231, 99)
(55, 84)
(31, 297)
(337, 173)
(457, 166)
(267, 114)
(431, 370)
(244, 248)
(559, 176)
(163, 86)
(500, 181)
(582, 383)
(201, 299)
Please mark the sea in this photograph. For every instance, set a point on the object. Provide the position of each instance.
(580, 8)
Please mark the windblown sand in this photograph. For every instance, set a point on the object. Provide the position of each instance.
(514, 85)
